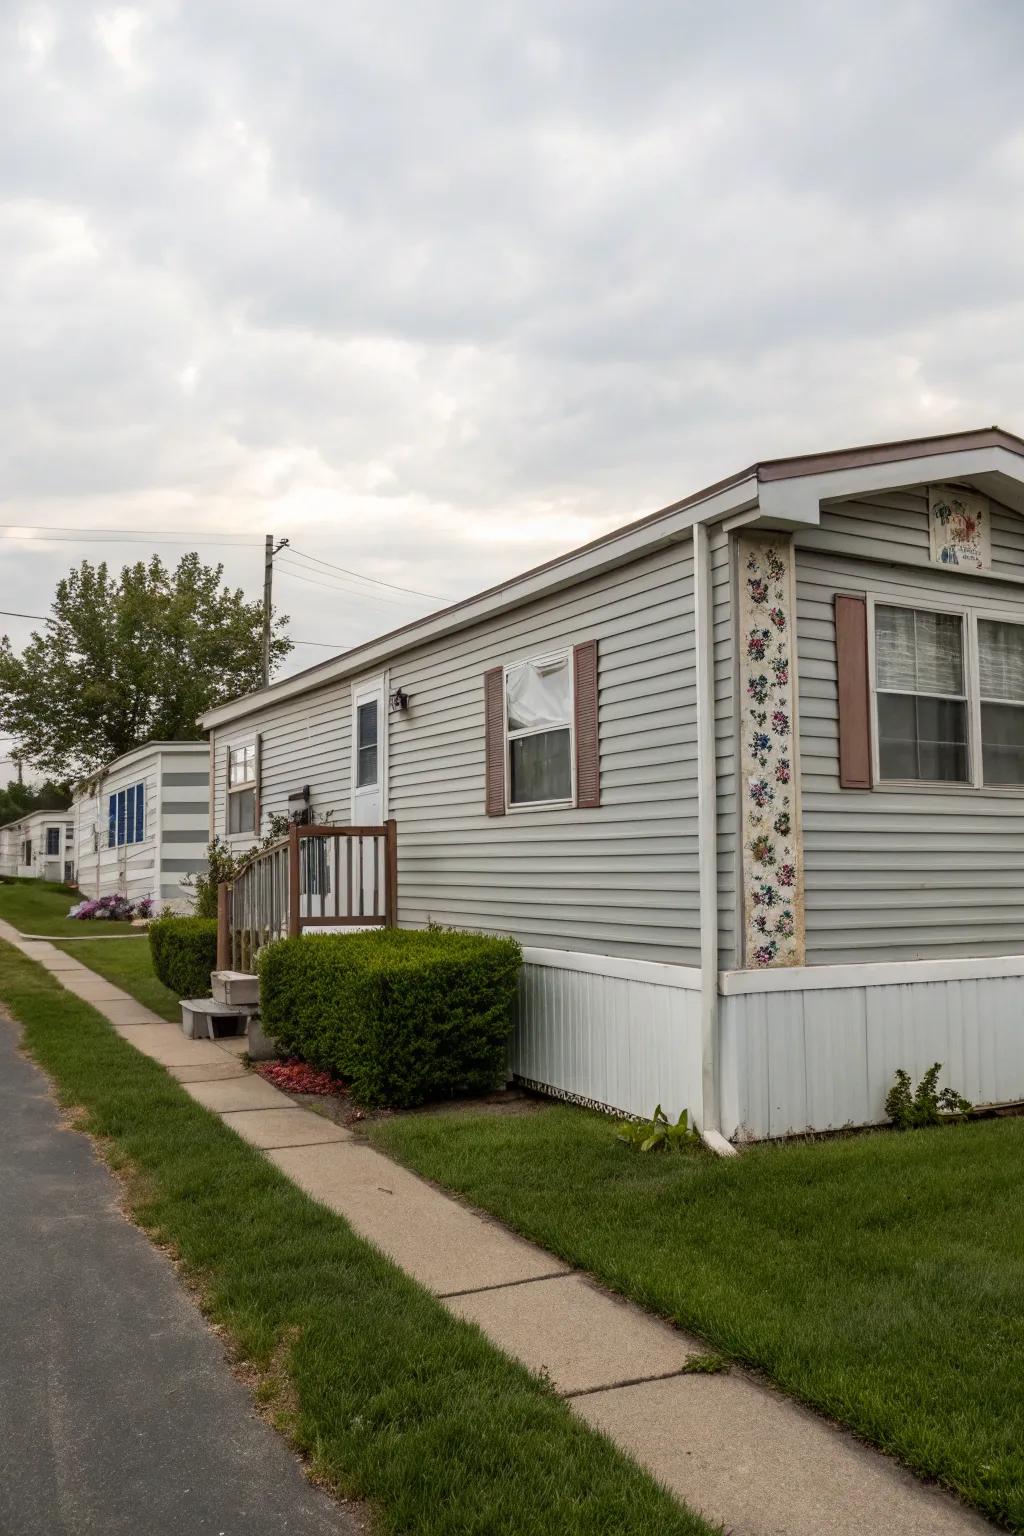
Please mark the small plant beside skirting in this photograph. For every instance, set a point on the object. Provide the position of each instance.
(658, 1134)
(402, 1016)
(112, 909)
(184, 951)
(909, 1108)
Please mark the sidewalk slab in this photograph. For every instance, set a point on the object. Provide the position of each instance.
(295, 1127)
(582, 1337)
(244, 1092)
(208, 1072)
(132, 1012)
(166, 1044)
(92, 988)
(234, 1045)
(56, 960)
(763, 1466)
(442, 1244)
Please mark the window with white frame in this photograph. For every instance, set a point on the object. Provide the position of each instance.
(242, 788)
(1001, 691)
(949, 697)
(52, 841)
(921, 695)
(538, 724)
(126, 816)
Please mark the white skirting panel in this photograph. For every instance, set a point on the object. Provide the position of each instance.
(820, 1058)
(618, 1034)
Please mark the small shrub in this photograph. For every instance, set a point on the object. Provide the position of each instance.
(184, 951)
(402, 1016)
(658, 1133)
(928, 1105)
(223, 864)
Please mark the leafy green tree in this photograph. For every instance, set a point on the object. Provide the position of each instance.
(128, 659)
(18, 799)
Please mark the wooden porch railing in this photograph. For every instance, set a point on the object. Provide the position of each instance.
(316, 877)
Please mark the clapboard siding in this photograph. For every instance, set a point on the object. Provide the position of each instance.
(893, 526)
(621, 878)
(897, 874)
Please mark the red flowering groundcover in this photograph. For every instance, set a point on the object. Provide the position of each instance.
(296, 1076)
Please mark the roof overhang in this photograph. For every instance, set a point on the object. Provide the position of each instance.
(776, 493)
(135, 754)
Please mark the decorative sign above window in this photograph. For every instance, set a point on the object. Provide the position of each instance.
(959, 529)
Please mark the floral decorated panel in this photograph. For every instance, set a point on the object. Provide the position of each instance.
(773, 906)
(958, 527)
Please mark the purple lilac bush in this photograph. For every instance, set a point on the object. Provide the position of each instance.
(112, 909)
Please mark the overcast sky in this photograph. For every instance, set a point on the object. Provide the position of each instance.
(441, 289)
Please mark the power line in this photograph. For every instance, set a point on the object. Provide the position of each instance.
(171, 533)
(21, 538)
(436, 596)
(333, 585)
(327, 645)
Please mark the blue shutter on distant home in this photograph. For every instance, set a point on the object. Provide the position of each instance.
(120, 817)
(129, 814)
(112, 822)
(140, 812)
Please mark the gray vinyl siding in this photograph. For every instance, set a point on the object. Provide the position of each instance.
(305, 740)
(620, 879)
(899, 874)
(722, 548)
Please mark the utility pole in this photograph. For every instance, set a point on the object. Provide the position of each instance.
(268, 584)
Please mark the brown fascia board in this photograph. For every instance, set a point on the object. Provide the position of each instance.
(764, 470)
(886, 453)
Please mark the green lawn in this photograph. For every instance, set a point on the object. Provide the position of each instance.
(391, 1397)
(128, 963)
(879, 1278)
(39, 906)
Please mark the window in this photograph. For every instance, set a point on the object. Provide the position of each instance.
(126, 816)
(366, 744)
(52, 841)
(921, 695)
(242, 788)
(1001, 688)
(538, 716)
(26, 851)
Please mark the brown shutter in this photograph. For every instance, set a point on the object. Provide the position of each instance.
(854, 687)
(212, 808)
(259, 783)
(494, 740)
(588, 765)
(227, 790)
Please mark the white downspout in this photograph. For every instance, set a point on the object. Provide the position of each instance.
(707, 840)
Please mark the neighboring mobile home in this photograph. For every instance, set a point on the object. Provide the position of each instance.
(141, 823)
(746, 778)
(39, 846)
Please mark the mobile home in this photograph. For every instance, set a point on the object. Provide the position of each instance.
(39, 846)
(142, 823)
(746, 778)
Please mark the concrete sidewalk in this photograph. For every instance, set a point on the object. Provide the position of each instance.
(727, 1445)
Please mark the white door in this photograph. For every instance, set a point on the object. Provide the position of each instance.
(368, 749)
(369, 796)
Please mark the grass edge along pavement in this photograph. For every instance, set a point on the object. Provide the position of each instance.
(390, 1397)
(877, 1279)
(41, 907)
(128, 964)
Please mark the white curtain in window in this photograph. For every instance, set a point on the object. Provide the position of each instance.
(918, 652)
(1001, 660)
(538, 695)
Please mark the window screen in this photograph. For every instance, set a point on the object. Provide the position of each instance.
(922, 707)
(538, 710)
(366, 744)
(1001, 675)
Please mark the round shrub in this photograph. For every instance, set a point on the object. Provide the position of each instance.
(403, 1016)
(184, 951)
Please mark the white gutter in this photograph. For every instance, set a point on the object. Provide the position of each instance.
(707, 840)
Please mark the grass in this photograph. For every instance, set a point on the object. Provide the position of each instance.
(41, 906)
(391, 1397)
(128, 963)
(879, 1278)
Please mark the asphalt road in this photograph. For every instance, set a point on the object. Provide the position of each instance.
(118, 1412)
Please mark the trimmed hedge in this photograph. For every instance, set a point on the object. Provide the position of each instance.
(184, 951)
(402, 1016)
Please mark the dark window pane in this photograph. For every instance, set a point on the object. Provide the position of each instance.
(366, 768)
(541, 768)
(921, 738)
(1002, 743)
(242, 811)
(53, 839)
(368, 724)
